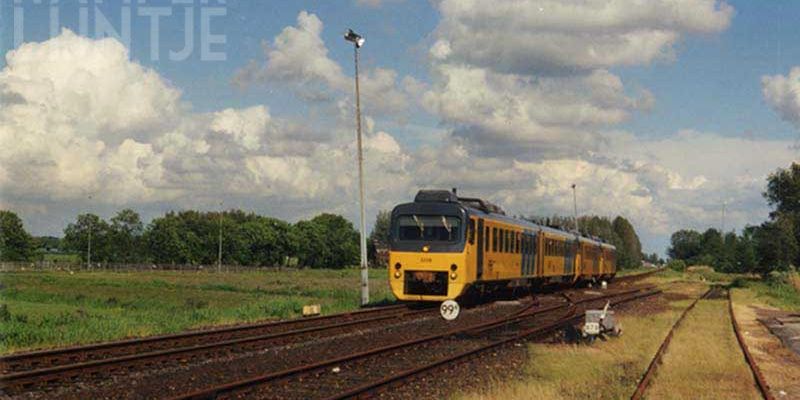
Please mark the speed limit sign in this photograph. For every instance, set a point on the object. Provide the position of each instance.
(449, 310)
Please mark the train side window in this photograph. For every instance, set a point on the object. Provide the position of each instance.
(494, 239)
(523, 248)
(471, 231)
(486, 240)
(519, 243)
(508, 242)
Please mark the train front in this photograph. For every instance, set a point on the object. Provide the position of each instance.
(427, 258)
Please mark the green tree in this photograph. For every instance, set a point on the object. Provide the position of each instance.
(685, 244)
(711, 248)
(76, 238)
(380, 235)
(267, 242)
(775, 246)
(783, 193)
(126, 234)
(15, 242)
(727, 257)
(745, 252)
(326, 241)
(629, 248)
(168, 242)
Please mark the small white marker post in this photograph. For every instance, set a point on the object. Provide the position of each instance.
(449, 310)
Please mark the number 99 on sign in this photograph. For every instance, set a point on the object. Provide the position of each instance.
(449, 310)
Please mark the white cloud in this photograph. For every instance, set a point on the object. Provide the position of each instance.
(526, 36)
(117, 131)
(511, 130)
(299, 57)
(782, 93)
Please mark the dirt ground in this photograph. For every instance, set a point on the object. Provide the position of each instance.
(780, 366)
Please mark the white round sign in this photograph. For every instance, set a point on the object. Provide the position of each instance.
(449, 310)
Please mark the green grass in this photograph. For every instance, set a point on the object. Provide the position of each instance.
(774, 292)
(47, 309)
(604, 370)
(704, 361)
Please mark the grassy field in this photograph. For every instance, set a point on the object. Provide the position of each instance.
(704, 352)
(704, 360)
(605, 370)
(47, 309)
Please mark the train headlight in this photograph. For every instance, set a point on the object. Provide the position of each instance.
(397, 274)
(453, 275)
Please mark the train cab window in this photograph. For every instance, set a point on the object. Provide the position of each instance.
(494, 239)
(443, 228)
(471, 231)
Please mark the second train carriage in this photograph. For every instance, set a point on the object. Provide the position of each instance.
(442, 245)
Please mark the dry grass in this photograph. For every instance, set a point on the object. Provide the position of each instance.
(704, 360)
(604, 370)
(780, 366)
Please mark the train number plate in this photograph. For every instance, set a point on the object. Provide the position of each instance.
(449, 310)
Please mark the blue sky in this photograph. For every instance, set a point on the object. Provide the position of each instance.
(465, 86)
(712, 85)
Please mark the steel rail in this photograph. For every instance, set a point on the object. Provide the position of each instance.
(56, 374)
(66, 351)
(216, 391)
(536, 331)
(763, 387)
(644, 382)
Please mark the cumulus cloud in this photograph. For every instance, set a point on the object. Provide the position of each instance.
(510, 130)
(782, 93)
(117, 131)
(299, 57)
(529, 37)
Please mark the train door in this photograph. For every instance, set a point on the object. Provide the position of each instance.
(532, 253)
(569, 257)
(479, 261)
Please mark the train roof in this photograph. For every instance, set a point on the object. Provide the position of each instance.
(488, 210)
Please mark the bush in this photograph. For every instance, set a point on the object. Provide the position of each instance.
(677, 265)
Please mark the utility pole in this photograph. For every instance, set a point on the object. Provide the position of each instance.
(358, 41)
(89, 247)
(724, 203)
(219, 250)
(575, 207)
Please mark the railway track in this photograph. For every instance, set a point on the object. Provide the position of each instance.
(649, 374)
(751, 362)
(367, 371)
(27, 371)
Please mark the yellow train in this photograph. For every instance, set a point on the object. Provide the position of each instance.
(443, 245)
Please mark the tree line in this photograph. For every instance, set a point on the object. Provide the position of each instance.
(193, 237)
(618, 232)
(761, 249)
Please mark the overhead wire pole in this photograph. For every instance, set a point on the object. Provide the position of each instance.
(219, 249)
(724, 203)
(575, 207)
(89, 245)
(358, 41)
